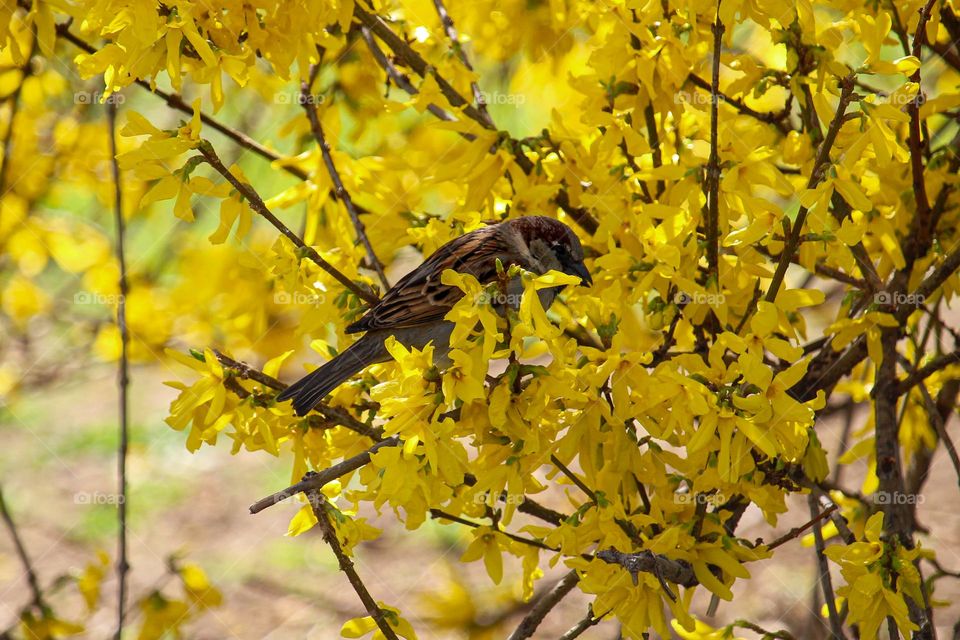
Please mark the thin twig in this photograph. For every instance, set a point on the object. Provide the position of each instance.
(401, 80)
(920, 374)
(712, 183)
(836, 624)
(819, 171)
(123, 374)
(318, 480)
(796, 531)
(28, 569)
(451, 32)
(544, 605)
(340, 191)
(577, 630)
(256, 203)
(319, 504)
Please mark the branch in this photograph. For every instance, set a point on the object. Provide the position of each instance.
(319, 504)
(401, 79)
(796, 531)
(712, 183)
(315, 481)
(22, 554)
(451, 32)
(836, 624)
(577, 630)
(123, 377)
(775, 118)
(256, 203)
(544, 605)
(819, 171)
(410, 58)
(176, 102)
(664, 568)
(341, 192)
(921, 231)
(920, 374)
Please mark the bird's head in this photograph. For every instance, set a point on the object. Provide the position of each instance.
(554, 245)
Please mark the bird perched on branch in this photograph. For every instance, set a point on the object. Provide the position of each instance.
(413, 309)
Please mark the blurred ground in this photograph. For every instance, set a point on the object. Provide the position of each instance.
(60, 444)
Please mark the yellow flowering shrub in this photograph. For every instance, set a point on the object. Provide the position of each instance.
(767, 197)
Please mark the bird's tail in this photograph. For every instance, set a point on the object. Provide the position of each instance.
(310, 389)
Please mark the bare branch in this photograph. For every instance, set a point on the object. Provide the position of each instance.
(819, 171)
(256, 203)
(123, 375)
(920, 374)
(319, 504)
(28, 569)
(317, 480)
(544, 605)
(836, 623)
(712, 182)
(796, 531)
(451, 32)
(340, 191)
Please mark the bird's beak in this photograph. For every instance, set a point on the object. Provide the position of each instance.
(580, 269)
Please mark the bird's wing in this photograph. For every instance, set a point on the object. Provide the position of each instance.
(420, 298)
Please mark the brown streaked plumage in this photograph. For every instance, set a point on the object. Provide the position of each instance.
(414, 308)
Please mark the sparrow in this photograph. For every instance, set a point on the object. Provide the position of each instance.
(413, 309)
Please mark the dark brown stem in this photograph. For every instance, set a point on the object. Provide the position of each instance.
(577, 630)
(796, 531)
(823, 567)
(451, 32)
(400, 79)
(28, 569)
(340, 191)
(318, 480)
(712, 183)
(819, 171)
(544, 605)
(920, 374)
(319, 504)
(123, 375)
(256, 203)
